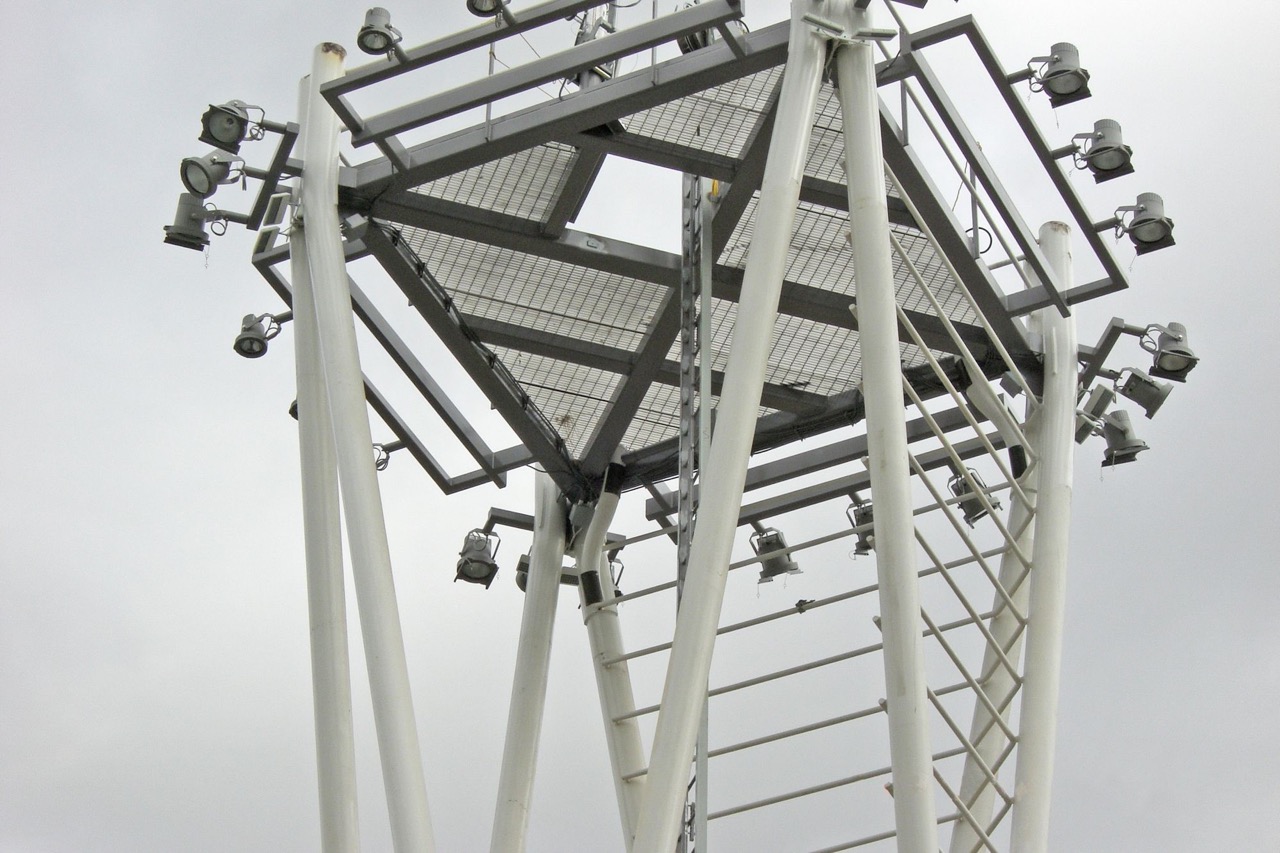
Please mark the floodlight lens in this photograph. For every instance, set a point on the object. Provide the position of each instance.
(1063, 75)
(484, 8)
(225, 126)
(201, 175)
(252, 340)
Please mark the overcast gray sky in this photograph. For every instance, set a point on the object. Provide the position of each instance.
(154, 676)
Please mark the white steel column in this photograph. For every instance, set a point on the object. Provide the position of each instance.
(533, 663)
(1041, 673)
(370, 554)
(725, 472)
(909, 751)
(613, 681)
(326, 594)
(986, 736)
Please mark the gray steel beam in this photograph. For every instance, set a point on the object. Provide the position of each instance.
(573, 191)
(481, 364)
(746, 181)
(615, 360)
(609, 101)
(558, 66)
(525, 235)
(813, 461)
(400, 353)
(859, 482)
(478, 36)
(629, 395)
(952, 242)
(999, 196)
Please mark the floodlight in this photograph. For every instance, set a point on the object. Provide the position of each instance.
(202, 175)
(188, 229)
(1060, 75)
(971, 505)
(1171, 357)
(256, 330)
(225, 126)
(1089, 416)
(1145, 391)
(377, 37)
(765, 541)
(1149, 229)
(1123, 443)
(860, 515)
(477, 561)
(491, 9)
(1101, 151)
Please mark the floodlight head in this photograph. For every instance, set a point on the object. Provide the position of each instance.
(1060, 75)
(484, 8)
(860, 515)
(1172, 358)
(971, 505)
(202, 175)
(1123, 443)
(252, 340)
(377, 37)
(477, 561)
(256, 330)
(1145, 391)
(1107, 156)
(765, 541)
(225, 126)
(188, 229)
(1149, 229)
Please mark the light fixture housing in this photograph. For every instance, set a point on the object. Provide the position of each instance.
(767, 540)
(203, 175)
(1106, 155)
(225, 126)
(1172, 358)
(971, 505)
(1145, 391)
(1150, 229)
(477, 561)
(861, 515)
(188, 229)
(1123, 444)
(256, 330)
(1061, 76)
(377, 37)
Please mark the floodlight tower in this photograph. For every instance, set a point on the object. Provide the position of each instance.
(826, 290)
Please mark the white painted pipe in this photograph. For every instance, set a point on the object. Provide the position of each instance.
(613, 681)
(725, 472)
(370, 554)
(533, 664)
(909, 752)
(326, 593)
(1046, 607)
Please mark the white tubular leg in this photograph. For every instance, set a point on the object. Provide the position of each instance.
(370, 554)
(533, 664)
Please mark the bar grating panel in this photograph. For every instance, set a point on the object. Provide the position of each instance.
(525, 184)
(717, 120)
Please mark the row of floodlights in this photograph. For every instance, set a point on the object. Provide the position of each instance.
(478, 562)
(1172, 359)
(378, 38)
(225, 127)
